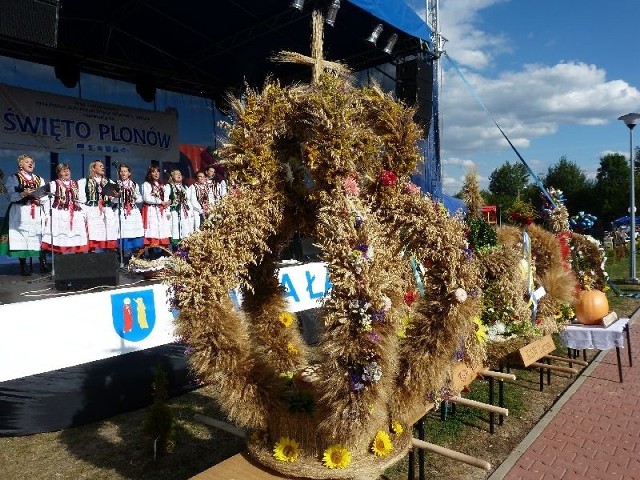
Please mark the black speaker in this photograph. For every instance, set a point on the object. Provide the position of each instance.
(80, 271)
(34, 21)
(414, 86)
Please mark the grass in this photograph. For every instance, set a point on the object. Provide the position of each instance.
(117, 448)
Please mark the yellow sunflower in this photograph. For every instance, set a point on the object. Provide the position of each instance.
(291, 349)
(381, 444)
(336, 456)
(286, 319)
(286, 450)
(481, 330)
(397, 427)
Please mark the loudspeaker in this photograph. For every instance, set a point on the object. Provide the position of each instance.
(34, 21)
(86, 270)
(414, 86)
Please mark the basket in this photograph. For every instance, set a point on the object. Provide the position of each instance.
(150, 269)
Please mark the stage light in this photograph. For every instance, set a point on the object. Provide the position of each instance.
(332, 12)
(297, 4)
(373, 38)
(390, 44)
(146, 87)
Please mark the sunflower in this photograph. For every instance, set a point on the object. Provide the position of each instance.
(286, 450)
(336, 456)
(291, 349)
(286, 319)
(397, 427)
(381, 444)
(481, 330)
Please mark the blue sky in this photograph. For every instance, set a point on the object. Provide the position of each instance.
(554, 74)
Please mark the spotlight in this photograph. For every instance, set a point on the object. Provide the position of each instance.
(332, 11)
(390, 44)
(146, 87)
(297, 4)
(373, 38)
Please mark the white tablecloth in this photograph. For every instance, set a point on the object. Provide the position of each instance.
(581, 337)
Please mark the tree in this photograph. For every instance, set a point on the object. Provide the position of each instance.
(506, 183)
(612, 188)
(572, 180)
(508, 180)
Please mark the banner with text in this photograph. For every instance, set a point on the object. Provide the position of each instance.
(57, 123)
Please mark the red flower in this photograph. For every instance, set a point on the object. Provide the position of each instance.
(388, 178)
(410, 297)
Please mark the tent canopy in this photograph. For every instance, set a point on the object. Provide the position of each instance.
(200, 48)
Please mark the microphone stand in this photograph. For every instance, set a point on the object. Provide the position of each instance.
(120, 239)
(51, 196)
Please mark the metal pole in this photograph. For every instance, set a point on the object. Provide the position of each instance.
(632, 250)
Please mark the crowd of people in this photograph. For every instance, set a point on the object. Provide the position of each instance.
(97, 214)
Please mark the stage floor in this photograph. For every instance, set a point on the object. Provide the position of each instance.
(14, 288)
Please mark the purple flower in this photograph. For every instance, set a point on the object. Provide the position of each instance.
(355, 379)
(182, 252)
(377, 316)
(362, 247)
(459, 355)
(374, 337)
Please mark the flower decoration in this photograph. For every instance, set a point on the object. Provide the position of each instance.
(410, 297)
(286, 450)
(286, 319)
(336, 456)
(351, 187)
(382, 445)
(481, 330)
(461, 295)
(388, 178)
(291, 349)
(396, 427)
(411, 188)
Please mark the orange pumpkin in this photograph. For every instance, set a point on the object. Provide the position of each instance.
(591, 307)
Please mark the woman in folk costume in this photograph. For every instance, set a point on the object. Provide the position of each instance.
(216, 183)
(102, 224)
(198, 197)
(155, 209)
(182, 221)
(130, 228)
(66, 220)
(21, 232)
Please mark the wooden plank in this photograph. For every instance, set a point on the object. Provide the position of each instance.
(462, 376)
(536, 350)
(239, 467)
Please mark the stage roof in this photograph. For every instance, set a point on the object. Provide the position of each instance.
(201, 48)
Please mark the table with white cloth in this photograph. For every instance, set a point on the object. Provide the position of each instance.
(581, 337)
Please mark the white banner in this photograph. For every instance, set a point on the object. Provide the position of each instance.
(31, 119)
(51, 333)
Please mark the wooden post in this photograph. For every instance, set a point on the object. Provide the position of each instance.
(481, 406)
(556, 368)
(567, 360)
(461, 457)
(227, 427)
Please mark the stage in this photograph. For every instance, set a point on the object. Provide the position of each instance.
(70, 357)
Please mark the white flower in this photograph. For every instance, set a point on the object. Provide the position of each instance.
(461, 295)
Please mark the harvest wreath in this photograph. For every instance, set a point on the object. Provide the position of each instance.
(330, 161)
